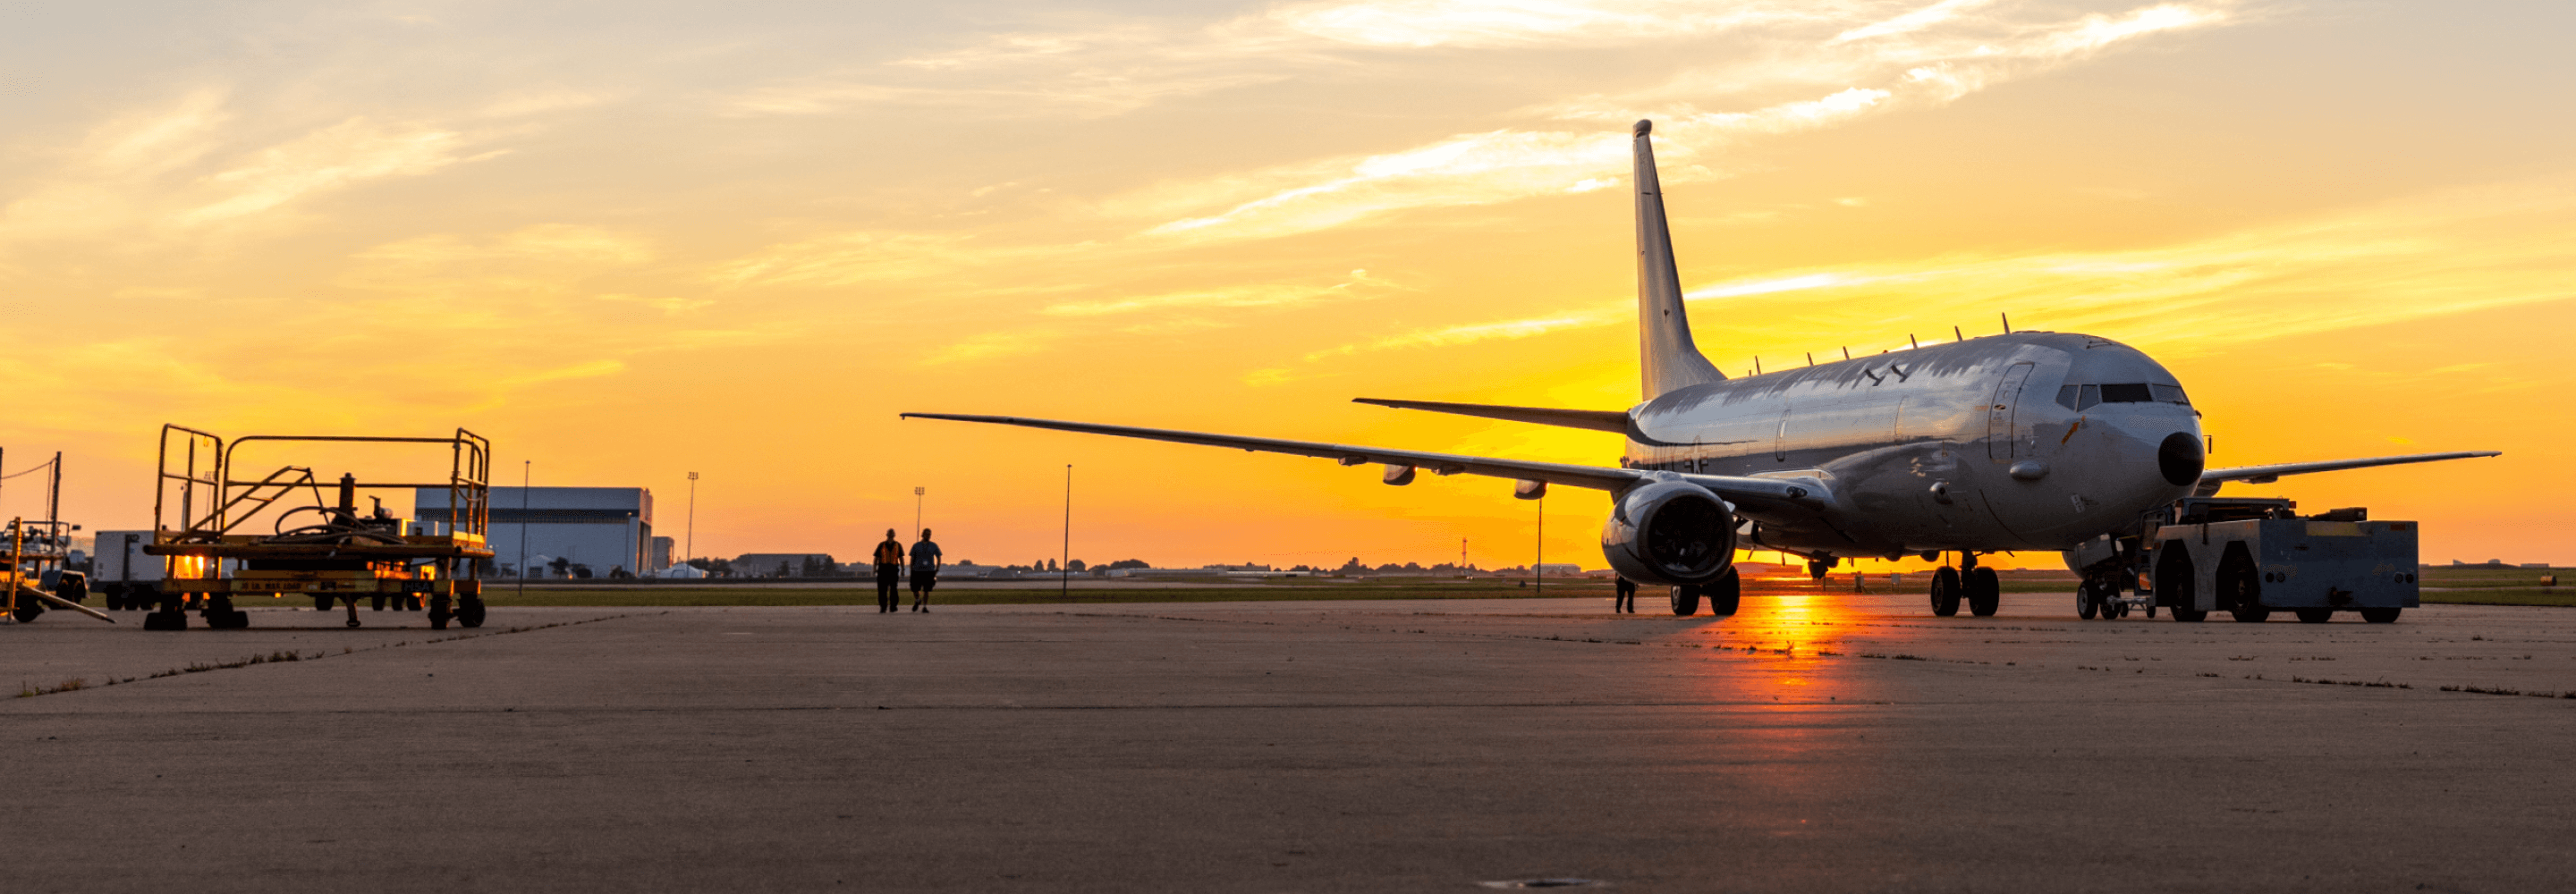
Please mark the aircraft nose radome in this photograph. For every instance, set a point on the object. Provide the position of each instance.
(1644, 126)
(2180, 459)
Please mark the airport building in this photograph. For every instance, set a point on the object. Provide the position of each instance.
(561, 531)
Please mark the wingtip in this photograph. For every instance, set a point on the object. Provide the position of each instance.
(1644, 126)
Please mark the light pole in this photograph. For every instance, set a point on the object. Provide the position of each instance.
(916, 511)
(527, 472)
(690, 549)
(1538, 570)
(1064, 565)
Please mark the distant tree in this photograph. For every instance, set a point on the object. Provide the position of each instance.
(1129, 563)
(782, 569)
(562, 566)
(581, 571)
(713, 567)
(1076, 566)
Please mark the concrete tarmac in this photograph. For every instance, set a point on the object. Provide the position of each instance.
(1828, 742)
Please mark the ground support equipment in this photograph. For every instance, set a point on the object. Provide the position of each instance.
(337, 554)
(2250, 557)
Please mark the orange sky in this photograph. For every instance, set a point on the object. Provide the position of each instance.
(694, 237)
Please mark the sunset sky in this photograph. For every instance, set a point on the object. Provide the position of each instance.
(630, 240)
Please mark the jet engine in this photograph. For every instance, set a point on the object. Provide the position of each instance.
(1670, 532)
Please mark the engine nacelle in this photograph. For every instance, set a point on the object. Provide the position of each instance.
(1670, 532)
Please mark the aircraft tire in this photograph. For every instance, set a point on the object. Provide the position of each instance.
(2381, 615)
(1985, 592)
(1945, 592)
(1725, 595)
(2314, 615)
(2085, 603)
(1685, 601)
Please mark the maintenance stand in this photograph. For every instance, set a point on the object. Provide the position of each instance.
(337, 554)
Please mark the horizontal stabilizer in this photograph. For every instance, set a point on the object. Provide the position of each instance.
(1597, 420)
(2265, 474)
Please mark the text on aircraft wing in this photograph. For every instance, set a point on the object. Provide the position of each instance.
(1807, 492)
(2265, 474)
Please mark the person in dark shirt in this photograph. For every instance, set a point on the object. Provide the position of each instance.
(925, 571)
(1625, 598)
(889, 568)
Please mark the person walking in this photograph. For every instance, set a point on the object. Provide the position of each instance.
(1625, 598)
(889, 567)
(925, 571)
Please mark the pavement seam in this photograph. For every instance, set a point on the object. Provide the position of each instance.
(282, 656)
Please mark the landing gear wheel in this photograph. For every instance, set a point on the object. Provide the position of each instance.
(2086, 603)
(1724, 594)
(2381, 615)
(1685, 601)
(1985, 592)
(1945, 592)
(2314, 615)
(469, 609)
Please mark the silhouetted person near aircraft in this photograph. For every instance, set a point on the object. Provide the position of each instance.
(1625, 599)
(925, 571)
(889, 567)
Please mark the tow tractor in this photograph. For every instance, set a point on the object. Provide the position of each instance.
(329, 550)
(2249, 557)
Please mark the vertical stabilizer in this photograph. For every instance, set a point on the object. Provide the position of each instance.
(1670, 359)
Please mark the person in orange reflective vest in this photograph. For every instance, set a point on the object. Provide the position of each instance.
(889, 570)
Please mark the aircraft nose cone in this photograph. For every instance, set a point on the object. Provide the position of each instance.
(2180, 459)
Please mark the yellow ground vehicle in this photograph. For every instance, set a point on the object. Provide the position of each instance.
(327, 550)
(35, 558)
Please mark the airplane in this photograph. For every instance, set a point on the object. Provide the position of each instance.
(2019, 441)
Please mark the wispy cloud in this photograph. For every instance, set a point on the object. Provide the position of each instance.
(1904, 62)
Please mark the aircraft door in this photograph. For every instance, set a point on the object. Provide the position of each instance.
(2001, 435)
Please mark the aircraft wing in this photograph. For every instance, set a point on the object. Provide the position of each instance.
(2268, 474)
(1806, 492)
(1597, 420)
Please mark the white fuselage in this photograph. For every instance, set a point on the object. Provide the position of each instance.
(1999, 443)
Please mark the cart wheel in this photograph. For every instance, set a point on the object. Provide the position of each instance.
(2381, 615)
(26, 612)
(321, 603)
(165, 620)
(2151, 610)
(469, 611)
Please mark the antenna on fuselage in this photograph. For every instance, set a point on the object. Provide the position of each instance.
(2007, 321)
(1757, 365)
(1955, 333)
(1909, 339)
(1811, 358)
(1846, 352)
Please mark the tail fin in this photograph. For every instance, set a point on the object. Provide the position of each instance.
(1670, 360)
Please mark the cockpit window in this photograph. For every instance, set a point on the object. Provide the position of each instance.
(2084, 397)
(2127, 394)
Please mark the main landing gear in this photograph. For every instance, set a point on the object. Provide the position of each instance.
(1972, 583)
(1723, 596)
